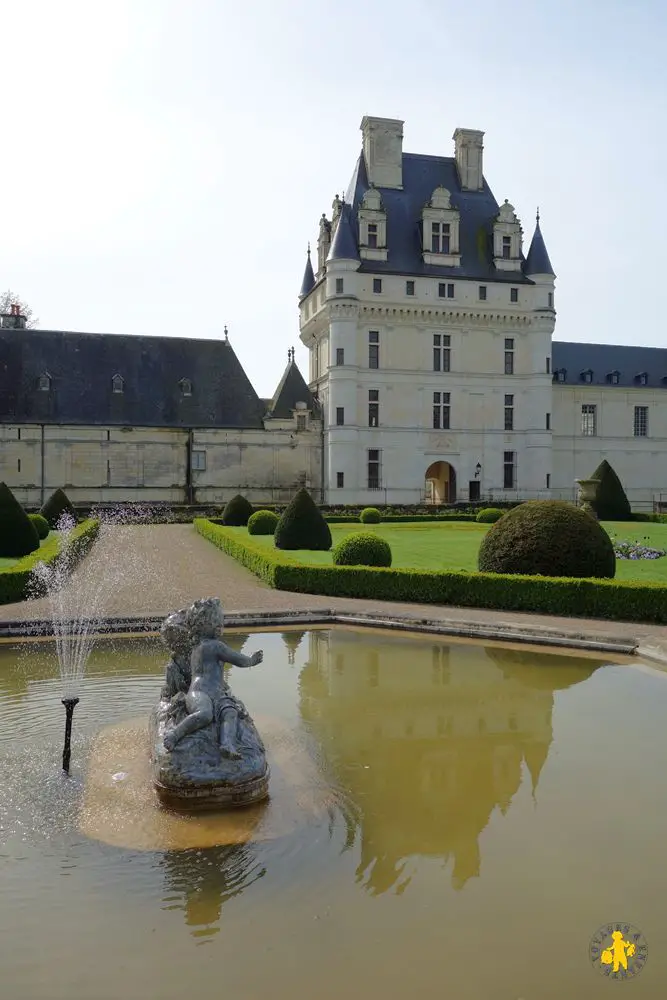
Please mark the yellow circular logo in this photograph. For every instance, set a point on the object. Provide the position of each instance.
(618, 951)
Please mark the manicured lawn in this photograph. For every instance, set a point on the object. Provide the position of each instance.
(454, 546)
(8, 563)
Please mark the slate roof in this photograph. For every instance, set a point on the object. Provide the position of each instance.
(345, 241)
(602, 359)
(82, 365)
(421, 176)
(308, 282)
(537, 261)
(292, 389)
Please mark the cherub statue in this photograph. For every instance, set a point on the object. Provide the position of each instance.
(176, 637)
(209, 697)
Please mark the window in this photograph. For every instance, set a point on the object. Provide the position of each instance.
(340, 355)
(641, 421)
(186, 387)
(117, 383)
(589, 420)
(377, 285)
(374, 469)
(445, 290)
(198, 461)
(548, 360)
(373, 407)
(372, 235)
(509, 412)
(507, 247)
(509, 470)
(340, 416)
(301, 422)
(44, 383)
(409, 288)
(482, 293)
(373, 349)
(642, 378)
(509, 355)
(548, 422)
(340, 480)
(561, 374)
(18, 466)
(587, 376)
(441, 410)
(339, 286)
(614, 377)
(441, 352)
(440, 237)
(514, 294)
(551, 300)
(548, 480)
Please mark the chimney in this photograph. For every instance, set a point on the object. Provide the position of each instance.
(383, 151)
(469, 149)
(13, 320)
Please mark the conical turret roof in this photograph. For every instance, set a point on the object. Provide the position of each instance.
(538, 261)
(308, 282)
(344, 246)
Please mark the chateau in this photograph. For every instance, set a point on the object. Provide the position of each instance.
(433, 372)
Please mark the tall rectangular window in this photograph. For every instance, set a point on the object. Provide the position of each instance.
(548, 480)
(548, 360)
(641, 421)
(482, 293)
(340, 480)
(589, 420)
(373, 349)
(440, 237)
(409, 288)
(373, 407)
(377, 285)
(340, 355)
(514, 294)
(509, 355)
(340, 416)
(301, 422)
(551, 300)
(509, 412)
(441, 410)
(445, 290)
(339, 286)
(548, 422)
(198, 462)
(507, 247)
(441, 352)
(374, 469)
(509, 470)
(372, 235)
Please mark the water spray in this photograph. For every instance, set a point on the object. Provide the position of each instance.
(69, 704)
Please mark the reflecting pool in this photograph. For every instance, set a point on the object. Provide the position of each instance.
(446, 819)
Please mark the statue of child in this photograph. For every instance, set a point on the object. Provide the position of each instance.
(177, 639)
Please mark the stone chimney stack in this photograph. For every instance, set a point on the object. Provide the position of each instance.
(469, 150)
(13, 320)
(383, 151)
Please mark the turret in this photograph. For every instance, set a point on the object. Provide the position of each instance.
(308, 282)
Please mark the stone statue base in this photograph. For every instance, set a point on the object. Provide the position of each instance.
(195, 775)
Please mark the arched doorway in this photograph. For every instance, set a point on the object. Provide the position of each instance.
(440, 483)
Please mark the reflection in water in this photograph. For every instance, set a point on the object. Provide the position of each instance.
(199, 882)
(292, 642)
(426, 743)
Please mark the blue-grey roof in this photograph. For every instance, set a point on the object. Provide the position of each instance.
(292, 389)
(603, 359)
(81, 367)
(537, 261)
(344, 246)
(308, 282)
(421, 176)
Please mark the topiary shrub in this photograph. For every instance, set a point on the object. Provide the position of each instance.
(489, 515)
(18, 535)
(262, 522)
(611, 503)
(370, 515)
(547, 538)
(302, 526)
(237, 512)
(362, 549)
(41, 524)
(57, 505)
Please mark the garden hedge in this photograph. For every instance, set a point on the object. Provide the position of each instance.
(301, 526)
(262, 522)
(17, 583)
(361, 548)
(57, 505)
(18, 534)
(41, 526)
(576, 598)
(238, 511)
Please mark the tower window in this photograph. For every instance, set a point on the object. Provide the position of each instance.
(548, 367)
(509, 470)
(445, 290)
(589, 420)
(374, 469)
(551, 300)
(509, 355)
(409, 288)
(507, 247)
(340, 416)
(377, 285)
(340, 480)
(373, 407)
(372, 235)
(373, 349)
(514, 294)
(339, 286)
(482, 293)
(548, 421)
(340, 355)
(509, 412)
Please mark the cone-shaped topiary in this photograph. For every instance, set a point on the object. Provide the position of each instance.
(18, 535)
(370, 515)
(262, 522)
(489, 515)
(57, 505)
(361, 548)
(611, 503)
(302, 526)
(41, 524)
(237, 512)
(547, 538)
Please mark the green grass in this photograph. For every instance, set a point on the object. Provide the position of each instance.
(455, 546)
(8, 563)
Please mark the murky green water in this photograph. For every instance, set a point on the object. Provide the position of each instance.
(447, 820)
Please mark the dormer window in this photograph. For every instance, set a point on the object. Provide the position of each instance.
(118, 384)
(372, 226)
(44, 382)
(587, 376)
(642, 378)
(372, 235)
(614, 377)
(186, 387)
(440, 230)
(507, 239)
(507, 247)
(560, 375)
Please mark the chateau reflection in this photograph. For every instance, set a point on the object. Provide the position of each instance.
(292, 642)
(199, 882)
(428, 739)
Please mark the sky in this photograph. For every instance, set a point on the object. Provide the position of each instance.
(167, 161)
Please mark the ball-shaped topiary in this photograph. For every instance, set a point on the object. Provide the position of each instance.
(361, 548)
(547, 538)
(57, 505)
(489, 515)
(237, 512)
(262, 522)
(41, 524)
(18, 535)
(302, 526)
(370, 515)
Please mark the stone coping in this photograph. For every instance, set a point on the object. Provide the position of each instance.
(528, 634)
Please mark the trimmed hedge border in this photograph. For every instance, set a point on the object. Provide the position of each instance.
(573, 598)
(14, 580)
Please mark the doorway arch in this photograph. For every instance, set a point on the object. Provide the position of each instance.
(440, 483)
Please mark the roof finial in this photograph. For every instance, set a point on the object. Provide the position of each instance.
(309, 248)
(537, 217)
(226, 334)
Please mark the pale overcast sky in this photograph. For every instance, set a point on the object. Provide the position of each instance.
(165, 162)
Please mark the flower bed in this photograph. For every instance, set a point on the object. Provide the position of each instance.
(625, 549)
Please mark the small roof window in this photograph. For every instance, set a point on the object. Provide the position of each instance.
(642, 378)
(186, 387)
(614, 377)
(44, 382)
(117, 383)
(587, 375)
(560, 375)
